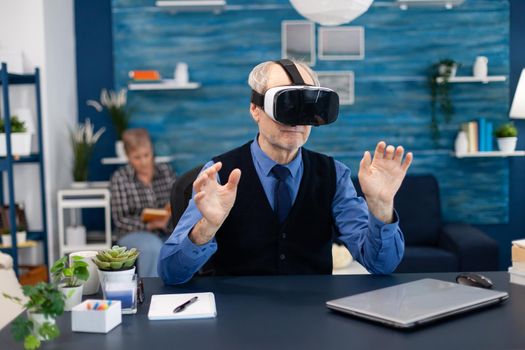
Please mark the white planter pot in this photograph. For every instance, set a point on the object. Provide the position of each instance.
(116, 276)
(73, 296)
(119, 149)
(21, 237)
(507, 144)
(6, 240)
(20, 144)
(76, 236)
(79, 184)
(38, 321)
(93, 282)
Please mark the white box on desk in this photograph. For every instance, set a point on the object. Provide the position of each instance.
(95, 321)
(517, 276)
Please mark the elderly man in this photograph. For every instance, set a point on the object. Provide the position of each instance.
(272, 206)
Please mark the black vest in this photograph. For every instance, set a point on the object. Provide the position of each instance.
(252, 242)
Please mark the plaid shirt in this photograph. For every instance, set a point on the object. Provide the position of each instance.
(129, 196)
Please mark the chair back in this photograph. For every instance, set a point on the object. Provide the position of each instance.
(181, 192)
(418, 204)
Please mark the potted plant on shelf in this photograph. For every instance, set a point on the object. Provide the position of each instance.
(20, 138)
(69, 274)
(507, 136)
(44, 302)
(83, 140)
(438, 81)
(21, 235)
(115, 104)
(117, 263)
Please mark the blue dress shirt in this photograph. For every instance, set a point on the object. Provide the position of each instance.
(377, 246)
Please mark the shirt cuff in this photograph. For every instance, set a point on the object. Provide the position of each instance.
(379, 229)
(193, 251)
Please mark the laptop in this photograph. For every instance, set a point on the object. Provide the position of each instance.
(410, 304)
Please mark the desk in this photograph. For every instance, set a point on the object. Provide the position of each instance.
(288, 312)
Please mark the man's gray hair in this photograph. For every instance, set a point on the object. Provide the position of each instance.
(258, 78)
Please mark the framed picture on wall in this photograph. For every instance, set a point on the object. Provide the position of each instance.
(341, 43)
(298, 41)
(341, 82)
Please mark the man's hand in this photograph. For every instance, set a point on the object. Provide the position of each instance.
(381, 177)
(214, 201)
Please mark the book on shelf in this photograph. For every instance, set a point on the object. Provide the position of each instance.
(479, 135)
(144, 76)
(152, 214)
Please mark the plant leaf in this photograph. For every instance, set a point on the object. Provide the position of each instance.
(31, 342)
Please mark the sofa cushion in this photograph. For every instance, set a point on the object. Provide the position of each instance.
(428, 259)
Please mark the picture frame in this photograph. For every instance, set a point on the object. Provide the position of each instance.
(298, 41)
(342, 82)
(341, 43)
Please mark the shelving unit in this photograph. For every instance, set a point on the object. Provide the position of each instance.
(165, 84)
(489, 154)
(472, 79)
(215, 6)
(79, 199)
(7, 163)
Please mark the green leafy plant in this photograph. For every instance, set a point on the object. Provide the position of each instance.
(438, 77)
(116, 259)
(506, 130)
(17, 125)
(115, 104)
(43, 298)
(7, 230)
(83, 140)
(70, 273)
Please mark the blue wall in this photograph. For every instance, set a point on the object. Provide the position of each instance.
(249, 37)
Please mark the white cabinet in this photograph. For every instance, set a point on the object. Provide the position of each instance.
(74, 199)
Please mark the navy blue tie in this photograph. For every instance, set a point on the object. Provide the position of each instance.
(282, 196)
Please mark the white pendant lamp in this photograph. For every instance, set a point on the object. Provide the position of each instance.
(517, 110)
(331, 12)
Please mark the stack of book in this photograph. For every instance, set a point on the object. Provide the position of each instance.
(517, 270)
(479, 135)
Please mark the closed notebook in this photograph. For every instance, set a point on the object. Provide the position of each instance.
(162, 306)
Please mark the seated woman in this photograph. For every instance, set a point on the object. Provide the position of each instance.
(139, 185)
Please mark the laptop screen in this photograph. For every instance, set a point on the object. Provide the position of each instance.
(408, 304)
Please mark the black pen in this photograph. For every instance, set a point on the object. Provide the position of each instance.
(182, 307)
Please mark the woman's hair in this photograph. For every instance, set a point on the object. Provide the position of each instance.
(135, 138)
(258, 78)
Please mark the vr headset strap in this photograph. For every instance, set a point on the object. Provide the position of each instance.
(292, 71)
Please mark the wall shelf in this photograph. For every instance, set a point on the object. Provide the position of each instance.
(448, 4)
(215, 6)
(490, 154)
(117, 160)
(472, 79)
(165, 84)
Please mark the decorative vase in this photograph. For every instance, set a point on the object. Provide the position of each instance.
(446, 70)
(6, 240)
(20, 144)
(21, 237)
(507, 144)
(38, 320)
(119, 149)
(461, 143)
(76, 235)
(73, 296)
(481, 69)
(93, 282)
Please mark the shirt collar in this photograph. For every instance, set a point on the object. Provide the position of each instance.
(266, 163)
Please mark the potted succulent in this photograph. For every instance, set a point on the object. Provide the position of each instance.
(44, 302)
(439, 74)
(68, 275)
(117, 263)
(507, 136)
(83, 140)
(20, 138)
(115, 104)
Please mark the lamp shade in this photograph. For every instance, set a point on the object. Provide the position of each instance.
(517, 110)
(331, 12)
